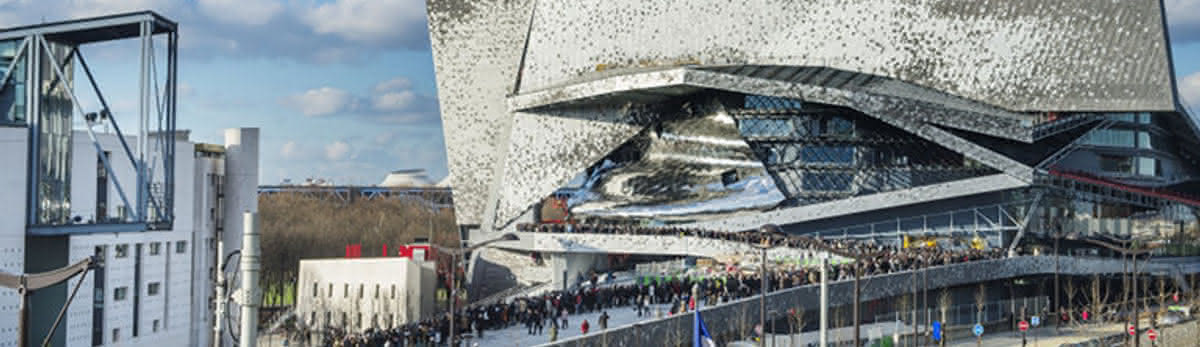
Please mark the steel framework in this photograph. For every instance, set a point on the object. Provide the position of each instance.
(152, 156)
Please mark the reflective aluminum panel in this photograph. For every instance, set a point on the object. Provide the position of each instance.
(694, 166)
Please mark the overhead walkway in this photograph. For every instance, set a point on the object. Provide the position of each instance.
(669, 245)
(723, 319)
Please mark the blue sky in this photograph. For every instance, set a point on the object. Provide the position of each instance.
(342, 89)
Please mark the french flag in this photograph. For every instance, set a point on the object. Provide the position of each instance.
(701, 337)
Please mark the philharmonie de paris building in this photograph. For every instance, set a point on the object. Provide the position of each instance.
(987, 124)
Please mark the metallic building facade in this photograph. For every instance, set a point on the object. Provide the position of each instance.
(821, 116)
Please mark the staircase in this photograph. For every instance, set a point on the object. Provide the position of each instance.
(1062, 125)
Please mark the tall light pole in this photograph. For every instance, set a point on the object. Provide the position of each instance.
(455, 254)
(765, 232)
(857, 257)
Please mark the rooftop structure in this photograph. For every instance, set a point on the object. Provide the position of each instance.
(73, 190)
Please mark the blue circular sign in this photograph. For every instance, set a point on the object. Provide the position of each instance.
(978, 329)
(1035, 320)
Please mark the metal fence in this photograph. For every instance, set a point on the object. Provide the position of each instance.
(969, 314)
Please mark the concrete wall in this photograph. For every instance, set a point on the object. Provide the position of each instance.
(13, 144)
(348, 288)
(724, 319)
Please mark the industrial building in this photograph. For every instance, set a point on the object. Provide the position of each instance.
(1001, 123)
(145, 201)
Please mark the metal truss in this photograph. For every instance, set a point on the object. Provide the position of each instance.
(152, 157)
(984, 220)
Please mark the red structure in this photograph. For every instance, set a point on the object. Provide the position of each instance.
(408, 251)
(354, 251)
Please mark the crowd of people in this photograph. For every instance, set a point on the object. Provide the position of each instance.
(549, 313)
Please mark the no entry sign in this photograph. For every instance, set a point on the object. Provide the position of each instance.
(1132, 330)
(1152, 334)
(1023, 325)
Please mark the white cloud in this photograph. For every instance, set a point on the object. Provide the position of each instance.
(394, 101)
(337, 151)
(290, 150)
(243, 12)
(398, 83)
(335, 31)
(321, 101)
(1189, 90)
(366, 20)
(1184, 18)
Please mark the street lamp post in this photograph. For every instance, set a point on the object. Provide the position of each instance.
(857, 257)
(455, 254)
(765, 231)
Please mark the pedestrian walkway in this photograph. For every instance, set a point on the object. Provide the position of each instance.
(517, 335)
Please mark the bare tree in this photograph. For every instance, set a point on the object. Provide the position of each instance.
(796, 320)
(1098, 297)
(1070, 308)
(1162, 298)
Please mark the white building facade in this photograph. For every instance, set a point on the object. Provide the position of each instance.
(155, 287)
(360, 293)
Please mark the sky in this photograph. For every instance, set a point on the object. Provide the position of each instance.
(342, 89)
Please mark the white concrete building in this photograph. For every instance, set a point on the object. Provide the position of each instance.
(360, 293)
(155, 286)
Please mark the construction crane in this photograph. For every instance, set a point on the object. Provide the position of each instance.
(25, 284)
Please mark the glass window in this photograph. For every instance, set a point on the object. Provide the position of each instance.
(122, 251)
(120, 293)
(825, 181)
(155, 248)
(1143, 117)
(1147, 166)
(152, 289)
(828, 154)
(1144, 140)
(180, 246)
(314, 289)
(838, 126)
(1111, 138)
(765, 127)
(1116, 164)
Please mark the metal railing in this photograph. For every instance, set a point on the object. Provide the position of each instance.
(978, 219)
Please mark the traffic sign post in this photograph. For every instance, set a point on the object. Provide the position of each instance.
(1152, 335)
(937, 331)
(978, 330)
(1035, 321)
(1023, 326)
(1132, 330)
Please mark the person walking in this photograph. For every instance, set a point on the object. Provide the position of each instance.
(603, 320)
(563, 315)
(584, 327)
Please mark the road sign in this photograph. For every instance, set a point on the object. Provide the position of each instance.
(1035, 320)
(1152, 334)
(978, 329)
(1023, 325)
(937, 331)
(1132, 330)
(1085, 315)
